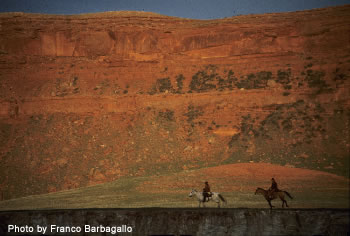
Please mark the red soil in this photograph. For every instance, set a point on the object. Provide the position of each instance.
(245, 177)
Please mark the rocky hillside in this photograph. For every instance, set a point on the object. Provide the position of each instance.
(87, 99)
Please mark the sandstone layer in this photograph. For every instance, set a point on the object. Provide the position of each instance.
(87, 99)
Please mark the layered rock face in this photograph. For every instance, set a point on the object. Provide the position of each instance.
(87, 99)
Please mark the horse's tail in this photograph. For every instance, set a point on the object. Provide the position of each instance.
(222, 198)
(288, 194)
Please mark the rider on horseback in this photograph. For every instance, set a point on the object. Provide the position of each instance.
(273, 188)
(206, 192)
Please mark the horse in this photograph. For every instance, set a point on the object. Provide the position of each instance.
(216, 197)
(281, 194)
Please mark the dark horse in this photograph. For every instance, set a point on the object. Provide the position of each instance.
(281, 194)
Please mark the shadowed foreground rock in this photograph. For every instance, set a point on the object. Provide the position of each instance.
(156, 221)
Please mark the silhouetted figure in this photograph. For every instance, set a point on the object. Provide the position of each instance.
(273, 187)
(206, 192)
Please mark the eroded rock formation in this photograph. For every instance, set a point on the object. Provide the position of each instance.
(87, 99)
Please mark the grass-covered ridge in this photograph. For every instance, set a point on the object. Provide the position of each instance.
(237, 183)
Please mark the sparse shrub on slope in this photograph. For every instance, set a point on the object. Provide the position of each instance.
(203, 81)
(162, 85)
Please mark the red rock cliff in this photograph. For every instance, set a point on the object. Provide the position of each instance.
(87, 99)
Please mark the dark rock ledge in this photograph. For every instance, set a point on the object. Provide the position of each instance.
(184, 221)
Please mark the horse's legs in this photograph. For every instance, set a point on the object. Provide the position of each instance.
(283, 201)
(269, 201)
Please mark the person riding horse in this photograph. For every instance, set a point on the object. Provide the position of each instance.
(273, 188)
(206, 192)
